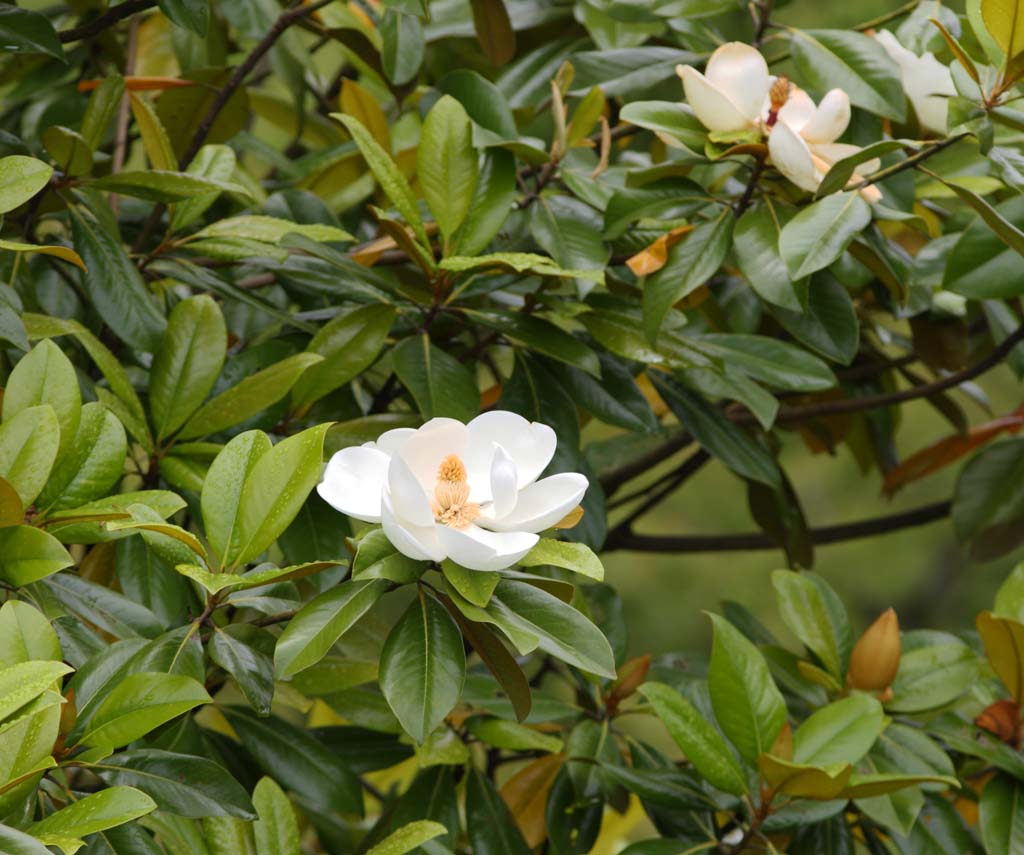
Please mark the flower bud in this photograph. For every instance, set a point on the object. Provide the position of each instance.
(876, 656)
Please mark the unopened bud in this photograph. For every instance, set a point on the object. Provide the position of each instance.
(876, 656)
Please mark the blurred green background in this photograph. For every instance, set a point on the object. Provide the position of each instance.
(922, 572)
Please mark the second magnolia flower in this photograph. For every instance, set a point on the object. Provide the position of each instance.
(468, 492)
(736, 93)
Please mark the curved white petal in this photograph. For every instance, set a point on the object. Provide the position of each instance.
(479, 549)
(530, 444)
(798, 109)
(713, 109)
(504, 482)
(353, 482)
(408, 498)
(740, 73)
(925, 80)
(792, 157)
(426, 447)
(829, 120)
(391, 441)
(542, 504)
(417, 542)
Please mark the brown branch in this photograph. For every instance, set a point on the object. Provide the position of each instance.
(107, 19)
(615, 478)
(755, 540)
(668, 485)
(283, 22)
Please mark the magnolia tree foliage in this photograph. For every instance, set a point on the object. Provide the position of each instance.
(303, 312)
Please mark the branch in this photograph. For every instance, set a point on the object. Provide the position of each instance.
(668, 485)
(283, 22)
(612, 480)
(751, 541)
(908, 163)
(107, 19)
(872, 402)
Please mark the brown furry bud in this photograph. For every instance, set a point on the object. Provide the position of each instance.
(876, 656)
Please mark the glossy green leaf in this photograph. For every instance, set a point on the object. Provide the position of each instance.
(439, 383)
(29, 442)
(820, 233)
(20, 177)
(28, 31)
(46, 376)
(276, 830)
(408, 838)
(105, 809)
(577, 557)
(28, 554)
(841, 732)
(25, 634)
(447, 163)
(814, 613)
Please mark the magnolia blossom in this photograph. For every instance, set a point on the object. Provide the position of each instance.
(802, 139)
(468, 492)
(736, 93)
(926, 81)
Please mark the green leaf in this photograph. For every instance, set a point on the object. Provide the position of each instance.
(511, 736)
(853, 62)
(216, 582)
(981, 265)
(22, 683)
(668, 199)
(251, 667)
(376, 558)
(748, 705)
(820, 233)
(270, 229)
(489, 825)
(439, 383)
(815, 615)
(28, 448)
(577, 557)
(69, 149)
(389, 177)
(1001, 816)
(250, 396)
(223, 488)
(408, 838)
(188, 363)
(141, 703)
(691, 263)
(756, 242)
(349, 344)
(193, 15)
(669, 118)
(162, 185)
(28, 554)
(20, 177)
(106, 609)
(423, 666)
(518, 262)
(842, 732)
(446, 163)
(93, 465)
(277, 832)
(777, 364)
(492, 202)
(829, 325)
(298, 761)
(215, 162)
(114, 285)
(543, 337)
(716, 433)
(842, 170)
(25, 31)
(477, 586)
(14, 842)
(275, 489)
(25, 634)
(179, 783)
(988, 502)
(96, 812)
(321, 622)
(103, 105)
(560, 629)
(1004, 20)
(702, 744)
(227, 835)
(46, 376)
(935, 669)
(403, 45)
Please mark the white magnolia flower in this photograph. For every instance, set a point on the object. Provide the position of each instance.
(468, 492)
(926, 81)
(736, 93)
(731, 93)
(802, 139)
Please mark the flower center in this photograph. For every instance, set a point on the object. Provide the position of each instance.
(451, 505)
(779, 95)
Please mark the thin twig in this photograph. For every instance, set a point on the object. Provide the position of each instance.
(690, 467)
(751, 541)
(107, 19)
(910, 162)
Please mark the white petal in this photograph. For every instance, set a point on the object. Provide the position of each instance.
(392, 440)
(740, 73)
(410, 501)
(925, 80)
(429, 445)
(353, 482)
(541, 505)
(504, 482)
(479, 549)
(530, 444)
(714, 110)
(829, 120)
(792, 157)
(418, 542)
(798, 109)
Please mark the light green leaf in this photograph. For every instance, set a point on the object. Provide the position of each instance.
(447, 163)
(813, 611)
(25, 634)
(820, 233)
(22, 683)
(28, 448)
(28, 554)
(518, 262)
(842, 732)
(46, 376)
(407, 838)
(187, 364)
(577, 557)
(215, 162)
(20, 177)
(222, 491)
(277, 832)
(477, 586)
(511, 736)
(271, 229)
(105, 809)
(1001, 816)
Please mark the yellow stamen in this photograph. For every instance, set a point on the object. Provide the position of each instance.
(451, 505)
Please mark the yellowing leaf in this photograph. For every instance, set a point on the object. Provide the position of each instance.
(653, 258)
(808, 782)
(526, 794)
(1004, 20)
(358, 102)
(1004, 646)
(62, 252)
